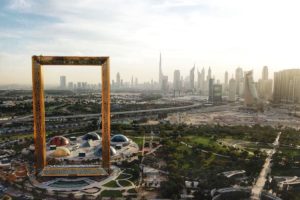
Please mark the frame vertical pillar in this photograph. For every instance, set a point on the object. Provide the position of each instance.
(38, 115)
(106, 115)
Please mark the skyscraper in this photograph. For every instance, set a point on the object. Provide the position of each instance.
(265, 73)
(198, 81)
(210, 89)
(264, 86)
(250, 93)
(225, 88)
(209, 74)
(160, 75)
(232, 90)
(164, 86)
(217, 93)
(63, 82)
(202, 81)
(192, 79)
(287, 86)
(70, 86)
(118, 80)
(226, 79)
(239, 81)
(176, 81)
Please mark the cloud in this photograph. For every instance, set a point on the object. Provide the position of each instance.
(222, 34)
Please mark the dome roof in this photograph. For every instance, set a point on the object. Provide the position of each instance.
(119, 138)
(25, 151)
(87, 143)
(59, 141)
(98, 151)
(61, 152)
(91, 136)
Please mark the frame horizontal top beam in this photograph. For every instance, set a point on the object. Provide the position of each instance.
(69, 60)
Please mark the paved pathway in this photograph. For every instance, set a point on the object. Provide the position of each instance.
(260, 183)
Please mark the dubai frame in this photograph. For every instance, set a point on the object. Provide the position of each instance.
(39, 106)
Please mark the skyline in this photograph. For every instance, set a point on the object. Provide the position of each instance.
(221, 35)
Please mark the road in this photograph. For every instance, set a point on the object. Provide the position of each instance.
(29, 117)
(260, 183)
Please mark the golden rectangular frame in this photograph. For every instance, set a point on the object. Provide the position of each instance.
(39, 106)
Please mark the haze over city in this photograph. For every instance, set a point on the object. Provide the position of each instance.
(223, 35)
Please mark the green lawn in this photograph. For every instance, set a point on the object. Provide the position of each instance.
(123, 176)
(139, 141)
(205, 142)
(200, 140)
(290, 152)
(125, 183)
(112, 184)
(111, 193)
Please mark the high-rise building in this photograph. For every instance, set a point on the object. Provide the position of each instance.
(250, 93)
(63, 82)
(118, 80)
(239, 81)
(192, 79)
(287, 86)
(209, 74)
(214, 92)
(232, 90)
(225, 88)
(84, 85)
(264, 86)
(265, 73)
(176, 81)
(160, 75)
(206, 83)
(165, 84)
(202, 81)
(131, 81)
(79, 85)
(210, 89)
(136, 82)
(70, 86)
(226, 78)
(217, 93)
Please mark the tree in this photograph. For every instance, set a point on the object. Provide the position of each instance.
(172, 187)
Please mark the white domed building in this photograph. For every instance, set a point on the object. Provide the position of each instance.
(89, 147)
(98, 152)
(91, 136)
(60, 152)
(119, 140)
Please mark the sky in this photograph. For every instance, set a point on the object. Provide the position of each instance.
(221, 34)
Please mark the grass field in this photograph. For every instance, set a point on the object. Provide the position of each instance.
(290, 152)
(111, 193)
(205, 142)
(124, 183)
(112, 184)
(123, 176)
(139, 141)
